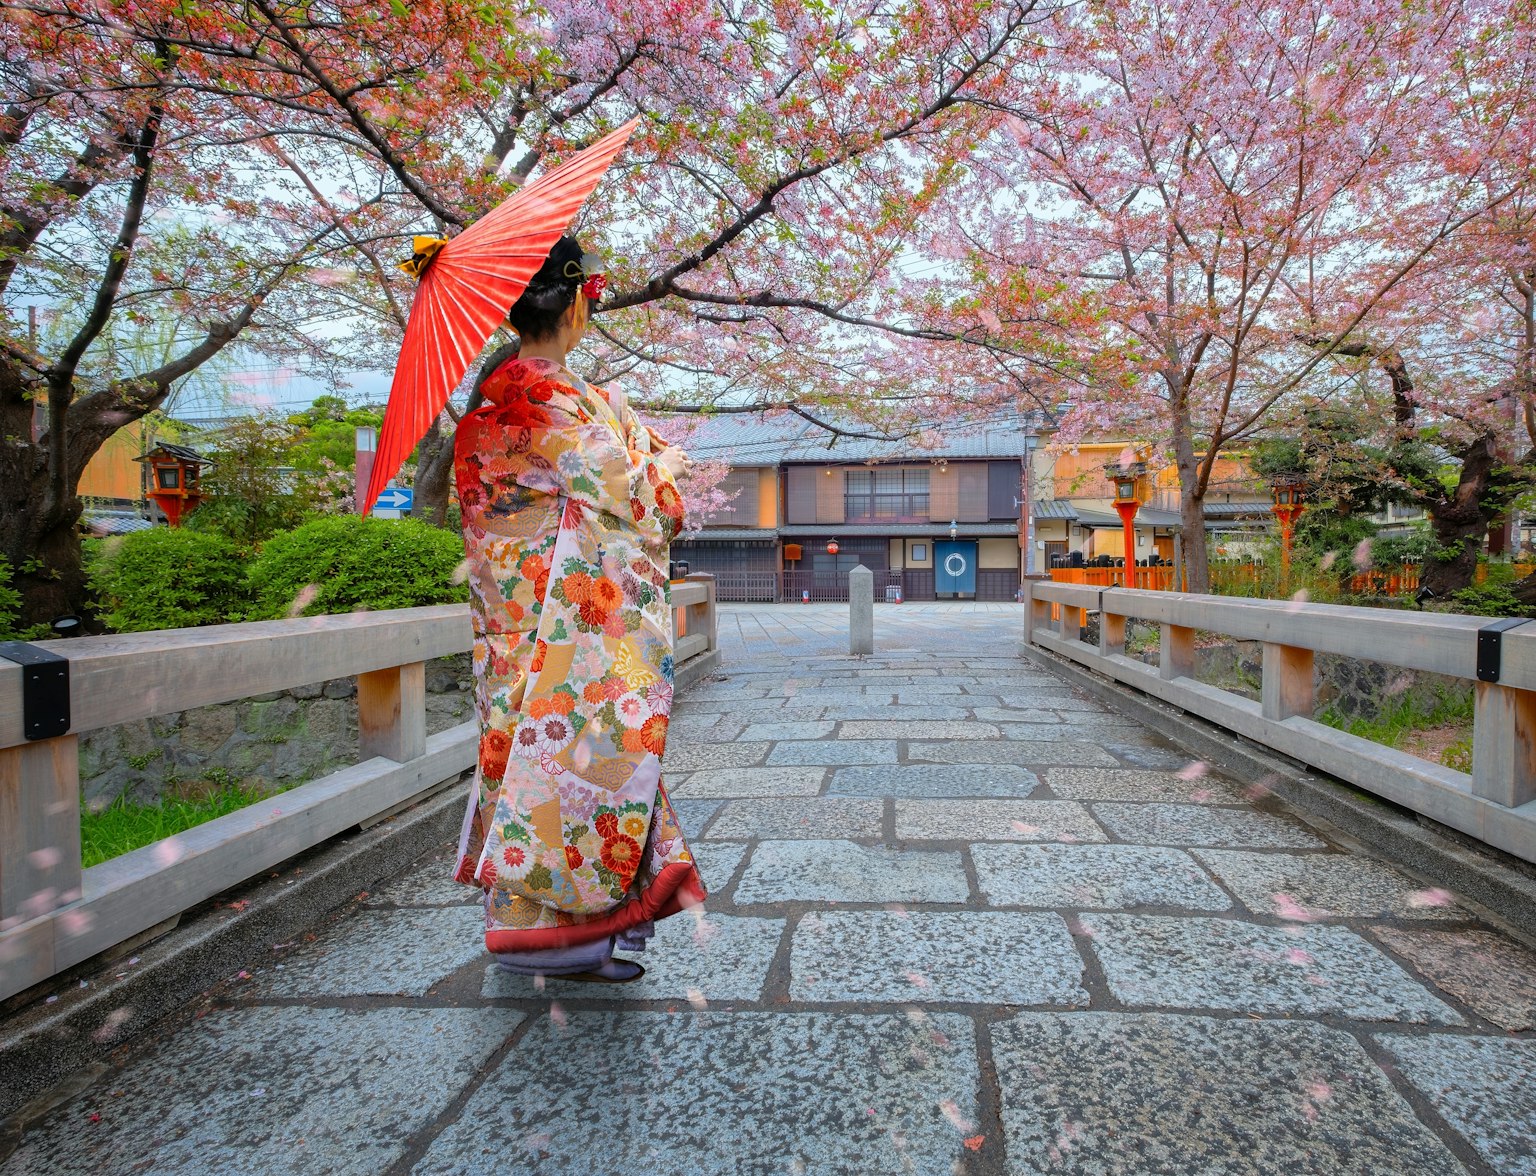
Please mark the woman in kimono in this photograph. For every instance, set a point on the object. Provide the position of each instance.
(569, 507)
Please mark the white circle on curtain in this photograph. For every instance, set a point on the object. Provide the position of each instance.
(954, 564)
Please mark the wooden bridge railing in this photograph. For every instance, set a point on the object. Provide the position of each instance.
(54, 914)
(1496, 803)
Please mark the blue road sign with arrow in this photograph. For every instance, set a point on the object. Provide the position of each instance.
(395, 498)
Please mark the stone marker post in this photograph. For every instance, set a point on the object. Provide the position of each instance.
(861, 610)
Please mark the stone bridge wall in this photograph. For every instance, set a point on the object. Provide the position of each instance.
(270, 740)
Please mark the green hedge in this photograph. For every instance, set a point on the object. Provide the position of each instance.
(168, 578)
(341, 563)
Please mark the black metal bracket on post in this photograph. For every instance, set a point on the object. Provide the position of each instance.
(44, 689)
(1490, 647)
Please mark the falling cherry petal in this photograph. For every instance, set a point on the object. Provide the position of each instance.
(956, 1120)
(1288, 908)
(1432, 897)
(974, 1142)
(557, 1014)
(1192, 770)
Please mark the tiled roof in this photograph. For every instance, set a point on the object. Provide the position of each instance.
(1052, 508)
(1236, 510)
(766, 534)
(767, 439)
(900, 530)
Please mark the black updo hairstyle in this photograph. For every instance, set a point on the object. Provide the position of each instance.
(537, 312)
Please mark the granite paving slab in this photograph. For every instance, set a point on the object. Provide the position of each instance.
(903, 729)
(767, 709)
(1032, 752)
(1139, 784)
(697, 757)
(271, 1090)
(1061, 699)
(1143, 753)
(1094, 877)
(1119, 735)
(995, 820)
(842, 751)
(818, 818)
(842, 697)
(976, 957)
(842, 871)
(999, 714)
(1197, 963)
(717, 861)
(1325, 886)
(1484, 1087)
(373, 952)
(430, 883)
(725, 691)
(701, 957)
(895, 711)
(733, 782)
(924, 780)
(1193, 824)
(1489, 972)
(717, 1094)
(786, 730)
(694, 815)
(945, 692)
(1088, 1094)
(1104, 718)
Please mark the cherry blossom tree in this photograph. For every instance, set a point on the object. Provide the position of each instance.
(1195, 205)
(194, 165)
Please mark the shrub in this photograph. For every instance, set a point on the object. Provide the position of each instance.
(344, 562)
(1494, 597)
(10, 603)
(168, 578)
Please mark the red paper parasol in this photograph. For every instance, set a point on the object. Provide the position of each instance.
(466, 290)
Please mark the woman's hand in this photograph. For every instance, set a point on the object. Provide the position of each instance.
(675, 462)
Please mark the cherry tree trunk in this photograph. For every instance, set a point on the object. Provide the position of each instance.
(1459, 521)
(434, 475)
(38, 539)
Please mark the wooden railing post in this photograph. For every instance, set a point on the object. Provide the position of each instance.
(1176, 653)
(1111, 633)
(1071, 622)
(1287, 686)
(1503, 743)
(39, 828)
(705, 619)
(392, 713)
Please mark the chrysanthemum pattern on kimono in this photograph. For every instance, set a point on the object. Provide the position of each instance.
(567, 520)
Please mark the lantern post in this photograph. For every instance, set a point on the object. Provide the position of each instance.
(1127, 483)
(1288, 493)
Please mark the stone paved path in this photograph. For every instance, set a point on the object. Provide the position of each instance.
(964, 920)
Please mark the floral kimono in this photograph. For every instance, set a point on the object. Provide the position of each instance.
(567, 522)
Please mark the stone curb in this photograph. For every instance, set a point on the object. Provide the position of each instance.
(1476, 872)
(696, 669)
(43, 1044)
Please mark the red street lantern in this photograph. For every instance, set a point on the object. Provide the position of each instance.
(1289, 493)
(832, 547)
(174, 474)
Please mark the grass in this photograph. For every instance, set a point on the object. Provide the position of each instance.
(1441, 730)
(126, 825)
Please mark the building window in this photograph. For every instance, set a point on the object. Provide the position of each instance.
(886, 495)
(919, 553)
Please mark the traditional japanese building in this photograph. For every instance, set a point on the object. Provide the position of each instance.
(944, 520)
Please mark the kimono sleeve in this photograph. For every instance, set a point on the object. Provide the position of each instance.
(601, 472)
